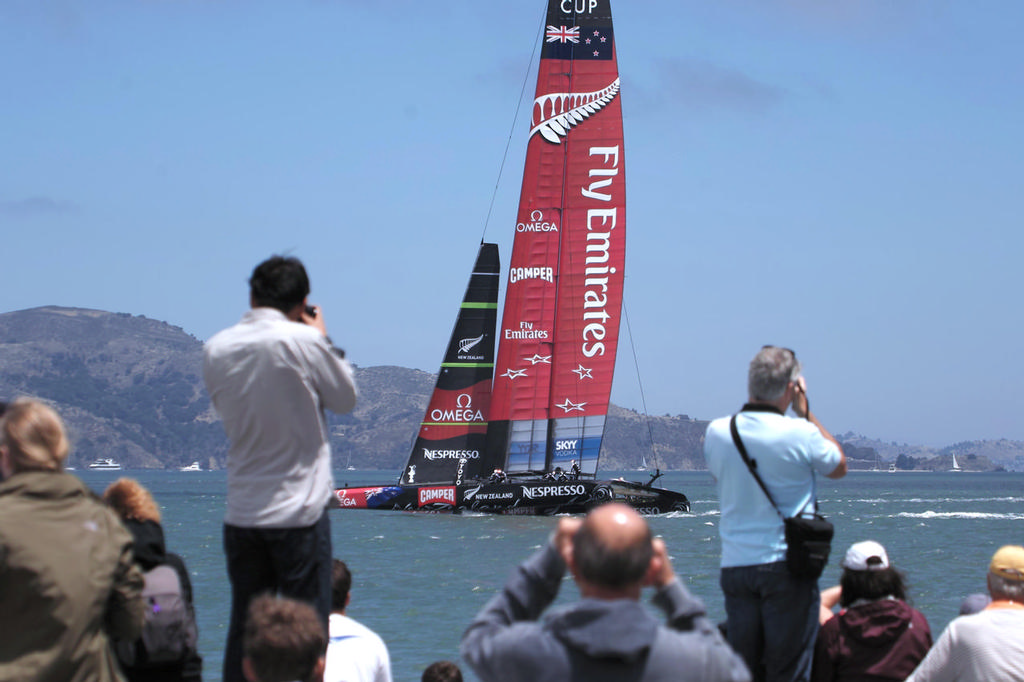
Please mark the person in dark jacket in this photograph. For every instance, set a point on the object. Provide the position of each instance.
(140, 514)
(607, 635)
(67, 580)
(876, 635)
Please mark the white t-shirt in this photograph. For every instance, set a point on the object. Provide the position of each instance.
(270, 380)
(987, 646)
(355, 653)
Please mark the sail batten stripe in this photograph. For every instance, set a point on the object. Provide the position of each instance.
(467, 364)
(480, 306)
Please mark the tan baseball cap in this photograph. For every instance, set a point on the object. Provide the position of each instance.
(1008, 562)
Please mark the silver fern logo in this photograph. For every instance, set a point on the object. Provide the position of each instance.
(554, 115)
(466, 345)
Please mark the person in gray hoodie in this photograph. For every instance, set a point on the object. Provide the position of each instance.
(607, 634)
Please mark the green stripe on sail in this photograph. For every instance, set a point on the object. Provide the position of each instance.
(467, 364)
(483, 306)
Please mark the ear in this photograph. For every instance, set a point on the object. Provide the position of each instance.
(348, 599)
(247, 670)
(295, 314)
(318, 670)
(570, 561)
(654, 570)
(6, 471)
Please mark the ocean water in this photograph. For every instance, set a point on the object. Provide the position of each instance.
(418, 579)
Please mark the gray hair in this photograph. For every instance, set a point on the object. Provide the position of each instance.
(771, 370)
(1005, 588)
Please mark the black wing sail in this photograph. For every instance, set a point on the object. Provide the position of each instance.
(450, 445)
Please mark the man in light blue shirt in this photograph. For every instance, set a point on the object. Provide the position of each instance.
(772, 615)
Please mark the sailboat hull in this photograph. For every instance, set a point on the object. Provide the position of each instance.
(526, 496)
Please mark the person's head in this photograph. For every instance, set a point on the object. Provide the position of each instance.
(1006, 574)
(341, 584)
(32, 438)
(131, 501)
(279, 282)
(284, 641)
(973, 603)
(612, 551)
(771, 372)
(867, 574)
(441, 671)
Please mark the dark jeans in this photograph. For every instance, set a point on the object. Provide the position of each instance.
(771, 620)
(291, 562)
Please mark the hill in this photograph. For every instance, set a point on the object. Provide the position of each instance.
(131, 388)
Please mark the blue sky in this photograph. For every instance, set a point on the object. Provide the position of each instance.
(842, 178)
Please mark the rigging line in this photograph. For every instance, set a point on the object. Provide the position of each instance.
(639, 381)
(511, 132)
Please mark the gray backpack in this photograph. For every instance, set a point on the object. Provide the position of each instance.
(170, 631)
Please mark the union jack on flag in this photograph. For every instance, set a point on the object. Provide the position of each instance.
(563, 34)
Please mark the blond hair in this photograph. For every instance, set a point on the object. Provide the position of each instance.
(34, 436)
(130, 500)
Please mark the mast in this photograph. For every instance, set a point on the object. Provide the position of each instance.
(450, 445)
(560, 326)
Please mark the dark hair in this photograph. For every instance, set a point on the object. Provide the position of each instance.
(341, 583)
(606, 566)
(280, 283)
(887, 582)
(284, 639)
(442, 671)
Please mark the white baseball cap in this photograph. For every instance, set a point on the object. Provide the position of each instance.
(866, 556)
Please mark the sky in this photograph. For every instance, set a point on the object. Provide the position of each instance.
(843, 178)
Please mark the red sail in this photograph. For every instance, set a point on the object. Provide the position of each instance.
(559, 330)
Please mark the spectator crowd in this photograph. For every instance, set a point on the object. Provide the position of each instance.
(89, 589)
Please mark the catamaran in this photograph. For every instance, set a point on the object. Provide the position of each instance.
(517, 416)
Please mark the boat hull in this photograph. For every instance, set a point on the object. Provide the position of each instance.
(528, 496)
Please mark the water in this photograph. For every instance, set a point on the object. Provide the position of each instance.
(420, 578)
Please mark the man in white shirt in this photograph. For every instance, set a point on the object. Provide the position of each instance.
(987, 645)
(270, 377)
(355, 653)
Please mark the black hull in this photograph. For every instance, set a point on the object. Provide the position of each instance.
(523, 496)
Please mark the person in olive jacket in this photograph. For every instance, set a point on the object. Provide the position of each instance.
(67, 579)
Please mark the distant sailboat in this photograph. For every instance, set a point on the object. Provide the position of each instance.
(956, 466)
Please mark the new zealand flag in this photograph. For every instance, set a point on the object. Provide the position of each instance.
(577, 42)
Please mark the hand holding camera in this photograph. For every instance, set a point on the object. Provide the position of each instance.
(801, 406)
(312, 316)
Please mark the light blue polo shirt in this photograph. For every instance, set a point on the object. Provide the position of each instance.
(788, 452)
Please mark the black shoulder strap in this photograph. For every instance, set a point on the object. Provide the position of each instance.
(751, 464)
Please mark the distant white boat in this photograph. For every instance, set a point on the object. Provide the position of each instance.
(105, 464)
(955, 467)
(892, 468)
(194, 466)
